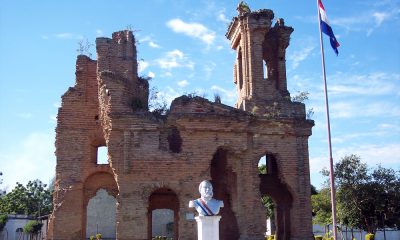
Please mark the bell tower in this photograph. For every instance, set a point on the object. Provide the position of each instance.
(260, 65)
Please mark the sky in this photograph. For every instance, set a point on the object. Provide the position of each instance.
(182, 46)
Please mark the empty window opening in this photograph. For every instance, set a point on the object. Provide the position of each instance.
(102, 155)
(262, 165)
(240, 69)
(267, 164)
(265, 68)
(162, 223)
(100, 215)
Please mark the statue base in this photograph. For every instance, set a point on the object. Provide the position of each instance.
(208, 227)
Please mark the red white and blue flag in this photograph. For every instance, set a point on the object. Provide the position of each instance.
(326, 28)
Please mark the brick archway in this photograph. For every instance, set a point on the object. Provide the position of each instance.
(93, 183)
(271, 185)
(163, 198)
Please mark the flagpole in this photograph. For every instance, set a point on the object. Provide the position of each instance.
(331, 175)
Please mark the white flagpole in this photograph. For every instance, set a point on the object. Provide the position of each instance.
(331, 175)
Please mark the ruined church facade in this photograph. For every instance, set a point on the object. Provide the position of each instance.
(157, 161)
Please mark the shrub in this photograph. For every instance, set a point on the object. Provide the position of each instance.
(369, 236)
(98, 236)
(3, 221)
(272, 237)
(318, 237)
(33, 227)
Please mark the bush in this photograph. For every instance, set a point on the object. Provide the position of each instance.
(369, 236)
(33, 227)
(98, 236)
(272, 237)
(3, 221)
(318, 237)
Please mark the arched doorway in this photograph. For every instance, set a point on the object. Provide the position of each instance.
(100, 204)
(271, 185)
(100, 215)
(163, 214)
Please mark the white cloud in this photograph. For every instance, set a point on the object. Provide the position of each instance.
(346, 109)
(174, 59)
(25, 115)
(194, 30)
(154, 45)
(169, 94)
(373, 154)
(151, 74)
(145, 39)
(175, 54)
(318, 163)
(68, 36)
(298, 56)
(32, 159)
(371, 84)
(57, 104)
(99, 33)
(183, 83)
(389, 127)
(228, 95)
(53, 118)
(380, 17)
(222, 18)
(209, 69)
(366, 21)
(142, 66)
(388, 155)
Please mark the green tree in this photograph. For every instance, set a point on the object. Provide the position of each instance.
(32, 199)
(384, 198)
(366, 199)
(321, 207)
(3, 221)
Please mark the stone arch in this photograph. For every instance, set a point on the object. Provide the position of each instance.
(224, 180)
(163, 198)
(92, 185)
(272, 185)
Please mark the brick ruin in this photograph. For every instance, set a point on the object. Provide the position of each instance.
(157, 161)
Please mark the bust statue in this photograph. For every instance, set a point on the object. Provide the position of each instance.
(206, 205)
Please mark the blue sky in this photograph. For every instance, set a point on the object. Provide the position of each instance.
(182, 46)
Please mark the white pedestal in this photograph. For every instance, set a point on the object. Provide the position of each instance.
(208, 227)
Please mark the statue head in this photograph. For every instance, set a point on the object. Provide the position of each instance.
(206, 190)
